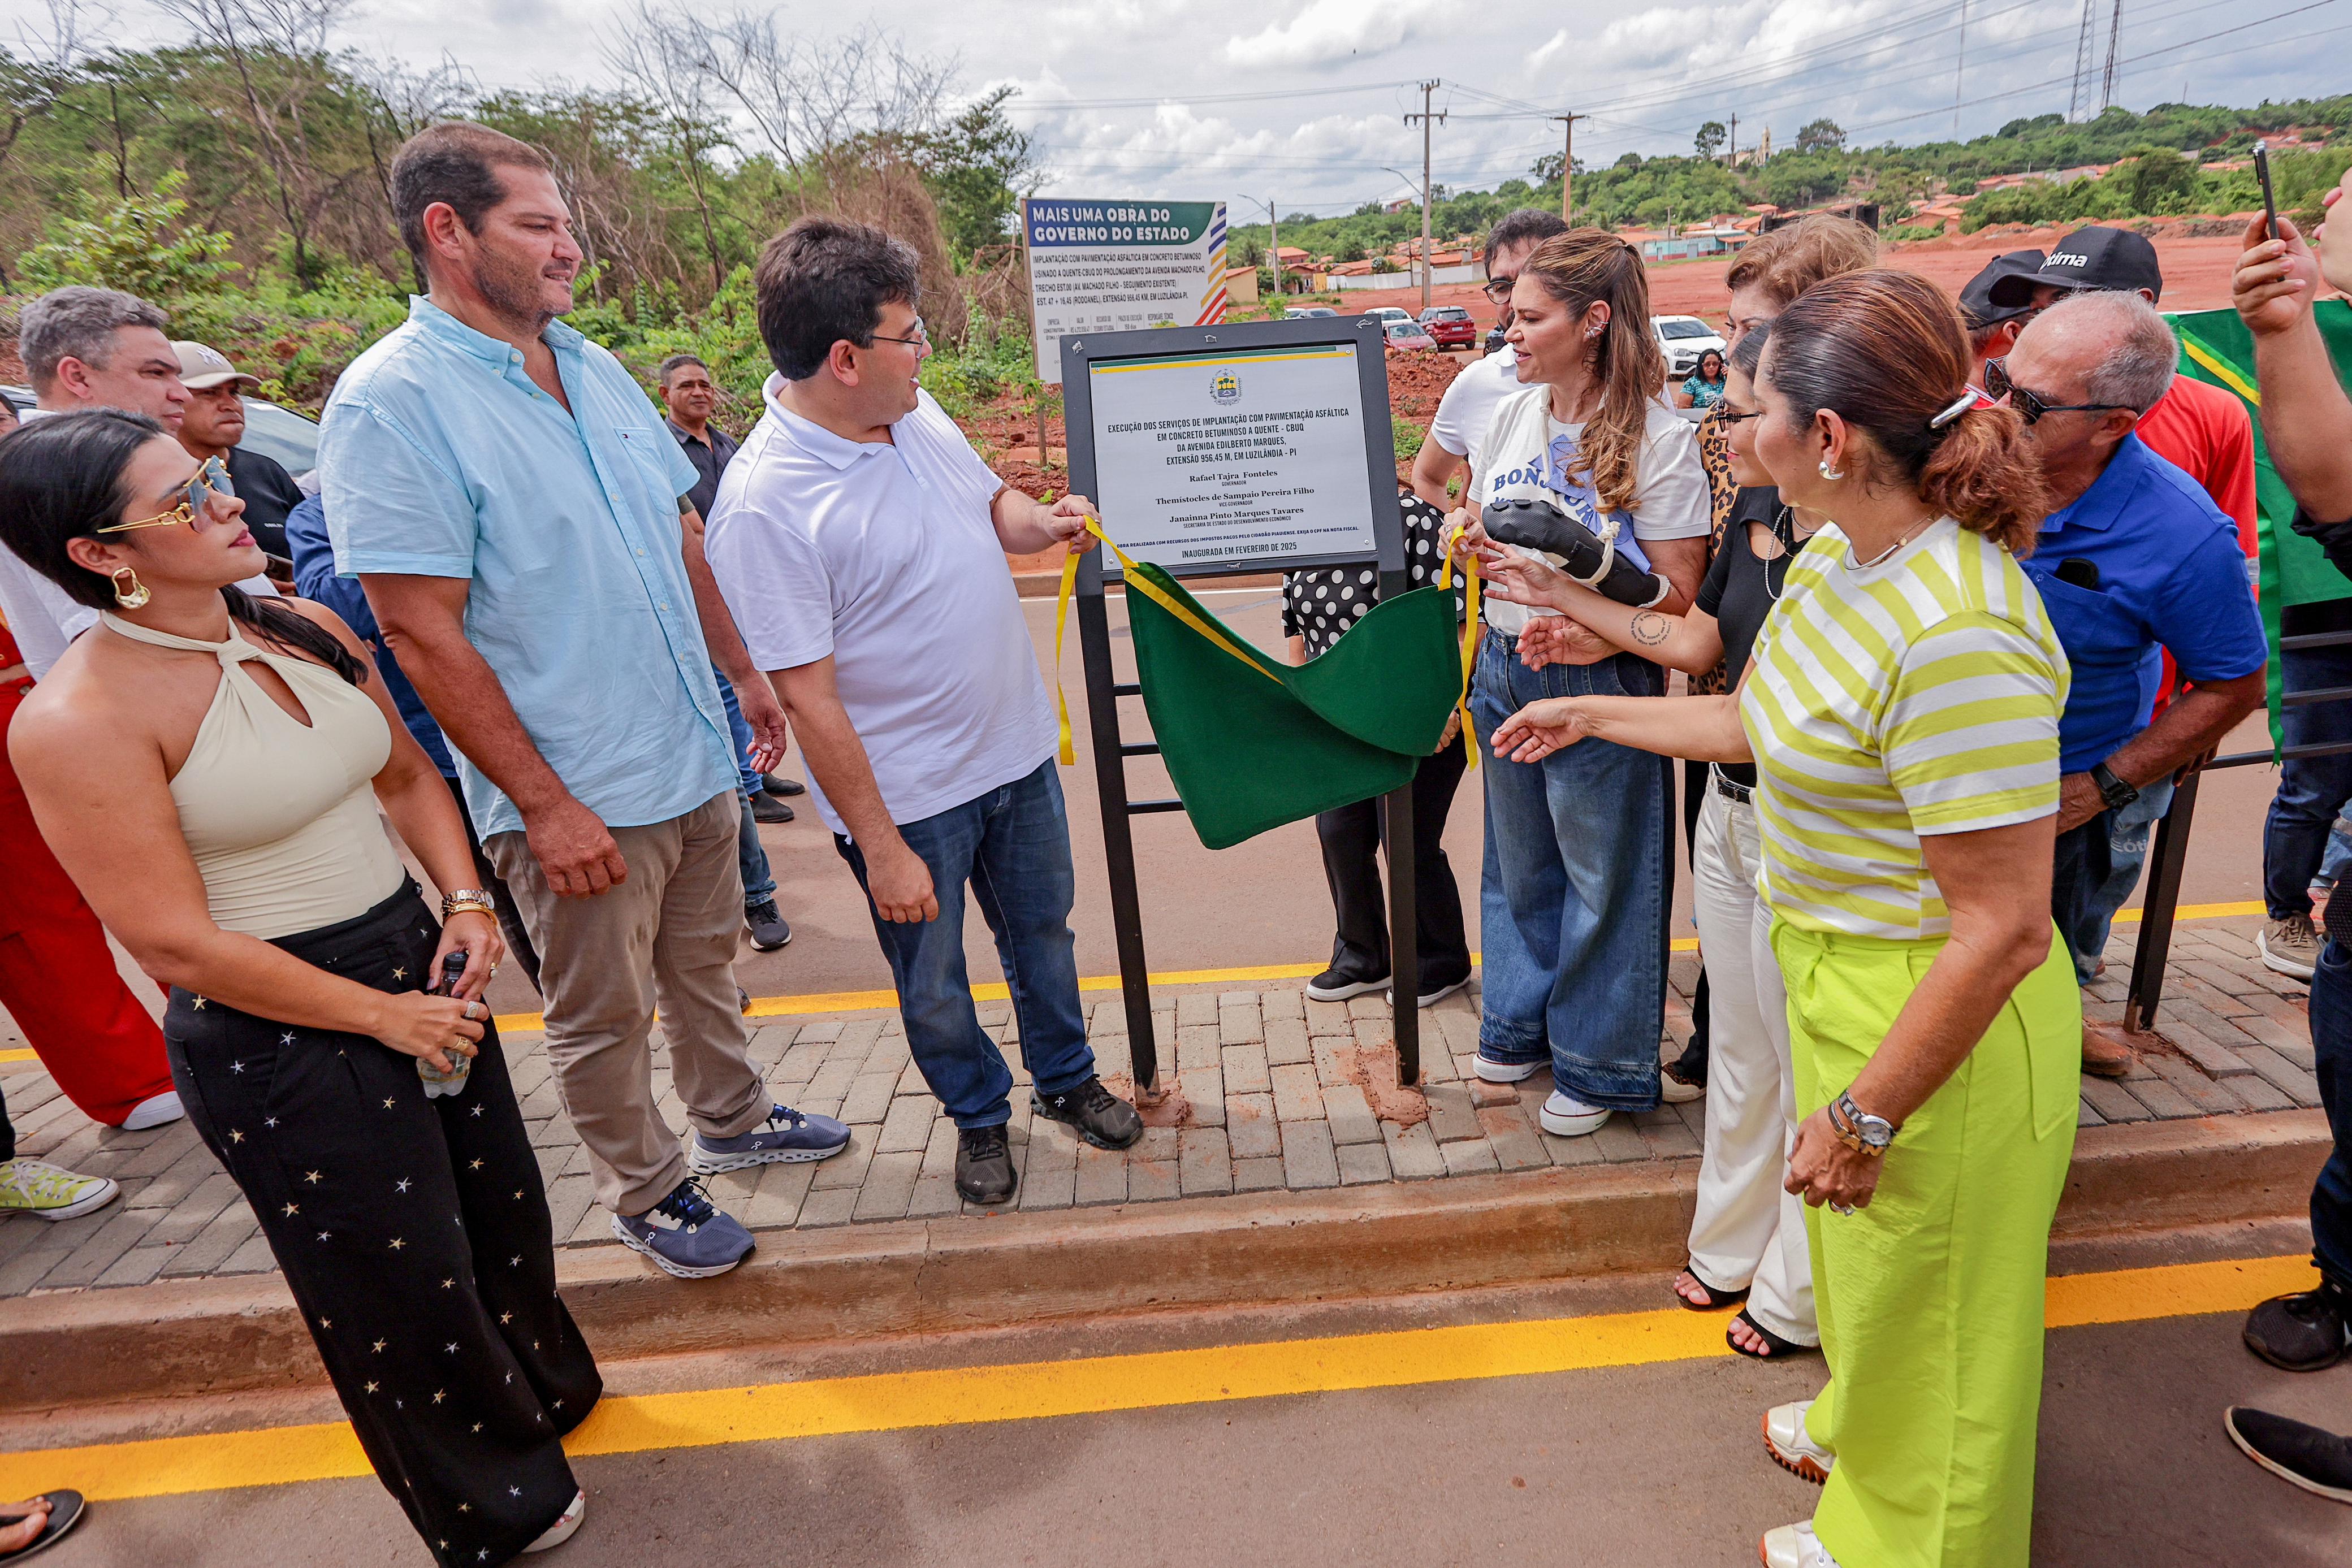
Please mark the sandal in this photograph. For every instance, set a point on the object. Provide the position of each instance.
(1775, 1347)
(1716, 1299)
(65, 1509)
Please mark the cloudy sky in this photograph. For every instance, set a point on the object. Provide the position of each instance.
(1302, 101)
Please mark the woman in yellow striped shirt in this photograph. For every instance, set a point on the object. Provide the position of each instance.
(1902, 709)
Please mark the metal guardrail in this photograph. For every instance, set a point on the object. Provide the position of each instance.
(2168, 855)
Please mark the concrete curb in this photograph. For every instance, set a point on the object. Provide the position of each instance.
(221, 1335)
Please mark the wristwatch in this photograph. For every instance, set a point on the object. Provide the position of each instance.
(1857, 1129)
(2112, 789)
(466, 898)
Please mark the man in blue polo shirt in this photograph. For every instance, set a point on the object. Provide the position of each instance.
(2134, 559)
(517, 514)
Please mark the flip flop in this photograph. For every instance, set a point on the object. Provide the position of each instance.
(66, 1509)
(1716, 1299)
(1775, 1347)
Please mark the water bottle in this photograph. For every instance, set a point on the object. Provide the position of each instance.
(438, 1084)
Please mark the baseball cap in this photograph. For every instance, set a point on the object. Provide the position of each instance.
(202, 367)
(2101, 258)
(1982, 300)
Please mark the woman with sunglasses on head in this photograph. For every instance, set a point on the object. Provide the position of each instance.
(1902, 708)
(1748, 1234)
(208, 769)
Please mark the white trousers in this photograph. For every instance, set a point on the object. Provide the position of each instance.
(1748, 1231)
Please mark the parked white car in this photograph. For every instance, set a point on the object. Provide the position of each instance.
(1683, 339)
(1386, 313)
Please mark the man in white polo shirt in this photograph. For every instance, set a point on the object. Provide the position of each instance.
(1458, 430)
(860, 544)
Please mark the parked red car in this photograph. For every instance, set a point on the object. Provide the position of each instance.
(1451, 326)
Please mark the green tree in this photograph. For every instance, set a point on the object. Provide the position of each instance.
(1820, 136)
(978, 166)
(137, 244)
(1710, 139)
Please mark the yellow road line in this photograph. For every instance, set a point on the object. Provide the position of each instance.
(900, 1401)
(996, 991)
(18, 1056)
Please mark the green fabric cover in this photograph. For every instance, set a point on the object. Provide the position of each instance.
(2295, 570)
(1248, 753)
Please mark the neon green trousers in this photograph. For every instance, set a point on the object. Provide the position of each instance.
(1931, 1296)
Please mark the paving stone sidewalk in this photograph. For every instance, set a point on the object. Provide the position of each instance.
(1278, 1092)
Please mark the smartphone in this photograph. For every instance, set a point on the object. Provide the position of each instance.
(2263, 174)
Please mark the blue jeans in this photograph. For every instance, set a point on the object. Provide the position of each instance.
(759, 880)
(2127, 837)
(2331, 1044)
(1572, 900)
(1012, 845)
(2311, 789)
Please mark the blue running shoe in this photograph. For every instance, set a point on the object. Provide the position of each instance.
(686, 1235)
(786, 1137)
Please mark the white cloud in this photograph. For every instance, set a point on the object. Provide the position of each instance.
(1329, 32)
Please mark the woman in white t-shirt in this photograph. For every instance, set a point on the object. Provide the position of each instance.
(1574, 896)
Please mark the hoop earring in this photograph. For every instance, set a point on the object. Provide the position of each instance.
(133, 596)
(1829, 472)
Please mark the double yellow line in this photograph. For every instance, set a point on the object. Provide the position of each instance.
(1092, 1386)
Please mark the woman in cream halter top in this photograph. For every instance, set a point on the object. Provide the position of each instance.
(209, 769)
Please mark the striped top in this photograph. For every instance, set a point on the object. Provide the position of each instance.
(1916, 696)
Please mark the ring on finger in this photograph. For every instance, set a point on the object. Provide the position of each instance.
(474, 1010)
(1840, 1207)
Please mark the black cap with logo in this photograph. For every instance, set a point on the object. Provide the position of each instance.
(2093, 258)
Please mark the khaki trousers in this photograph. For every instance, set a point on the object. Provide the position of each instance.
(667, 935)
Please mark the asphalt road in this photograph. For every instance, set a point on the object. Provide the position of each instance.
(1638, 1465)
(1263, 901)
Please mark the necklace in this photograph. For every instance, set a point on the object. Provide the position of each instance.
(1906, 538)
(1781, 544)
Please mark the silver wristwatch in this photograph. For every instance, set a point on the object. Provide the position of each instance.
(1857, 1129)
(458, 898)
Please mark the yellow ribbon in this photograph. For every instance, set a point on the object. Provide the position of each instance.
(1469, 643)
(1135, 583)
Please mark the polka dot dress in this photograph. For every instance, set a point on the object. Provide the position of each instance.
(1319, 605)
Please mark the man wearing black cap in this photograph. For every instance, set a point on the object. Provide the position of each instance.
(1993, 328)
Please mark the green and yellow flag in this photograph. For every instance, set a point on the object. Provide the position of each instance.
(2216, 348)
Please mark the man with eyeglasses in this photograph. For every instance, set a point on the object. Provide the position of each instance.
(2134, 559)
(860, 542)
(1458, 429)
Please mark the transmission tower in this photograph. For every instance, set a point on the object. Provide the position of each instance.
(2082, 62)
(2107, 79)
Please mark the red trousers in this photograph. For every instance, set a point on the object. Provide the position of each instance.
(57, 977)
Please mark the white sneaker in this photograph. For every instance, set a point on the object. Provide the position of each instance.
(1794, 1449)
(1795, 1546)
(53, 1192)
(1674, 1091)
(1494, 1072)
(1567, 1116)
(564, 1528)
(155, 1111)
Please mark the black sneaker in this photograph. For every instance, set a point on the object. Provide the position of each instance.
(1335, 986)
(1101, 1117)
(2319, 1461)
(2304, 1332)
(777, 784)
(767, 927)
(984, 1166)
(766, 807)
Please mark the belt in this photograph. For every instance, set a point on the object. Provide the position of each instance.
(1730, 790)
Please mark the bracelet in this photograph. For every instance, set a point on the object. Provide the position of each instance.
(456, 906)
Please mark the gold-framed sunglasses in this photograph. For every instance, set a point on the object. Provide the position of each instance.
(210, 479)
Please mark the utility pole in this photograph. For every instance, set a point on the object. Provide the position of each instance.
(2107, 81)
(1960, 69)
(1735, 138)
(1426, 119)
(2081, 61)
(1567, 161)
(1273, 244)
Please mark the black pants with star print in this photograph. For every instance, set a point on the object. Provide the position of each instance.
(414, 1235)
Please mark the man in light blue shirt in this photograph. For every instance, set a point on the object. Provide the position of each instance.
(510, 500)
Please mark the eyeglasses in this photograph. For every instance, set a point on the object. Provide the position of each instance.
(920, 340)
(2032, 406)
(210, 479)
(1498, 290)
(1725, 414)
